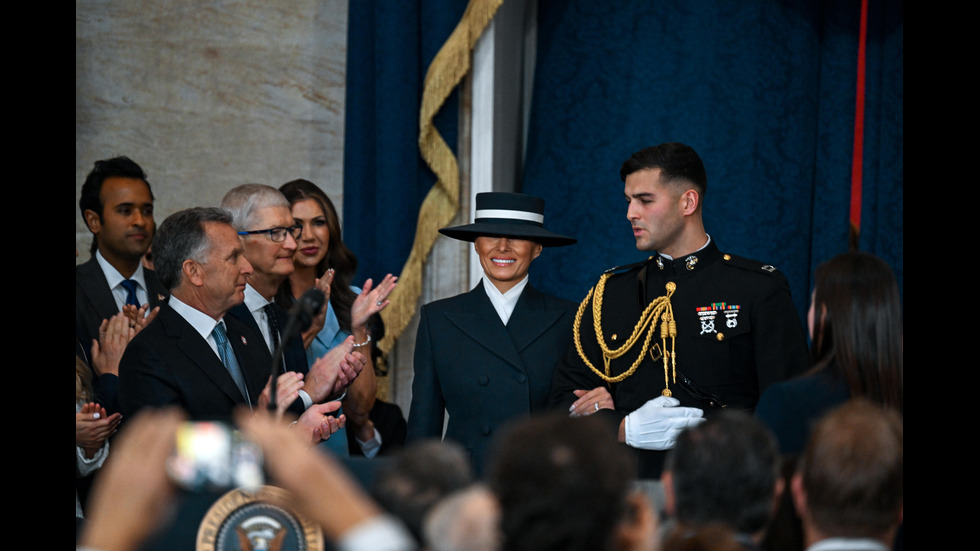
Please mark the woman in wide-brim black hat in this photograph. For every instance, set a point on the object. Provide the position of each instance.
(486, 357)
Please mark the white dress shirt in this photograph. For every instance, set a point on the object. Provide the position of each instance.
(115, 279)
(504, 303)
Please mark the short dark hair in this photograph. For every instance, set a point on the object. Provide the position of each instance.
(116, 167)
(725, 470)
(417, 477)
(677, 163)
(183, 236)
(853, 471)
(562, 483)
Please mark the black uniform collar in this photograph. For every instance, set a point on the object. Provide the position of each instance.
(687, 263)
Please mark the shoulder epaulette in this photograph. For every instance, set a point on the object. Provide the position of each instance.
(748, 264)
(627, 267)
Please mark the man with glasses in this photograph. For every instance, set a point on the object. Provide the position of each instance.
(193, 355)
(265, 225)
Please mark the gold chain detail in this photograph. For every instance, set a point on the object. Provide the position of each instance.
(660, 309)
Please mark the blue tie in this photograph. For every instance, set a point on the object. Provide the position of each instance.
(130, 286)
(228, 358)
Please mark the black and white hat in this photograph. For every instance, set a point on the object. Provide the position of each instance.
(509, 215)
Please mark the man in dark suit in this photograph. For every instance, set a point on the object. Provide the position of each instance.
(265, 226)
(193, 355)
(486, 357)
(117, 206)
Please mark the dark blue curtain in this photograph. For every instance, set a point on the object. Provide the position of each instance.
(389, 47)
(764, 90)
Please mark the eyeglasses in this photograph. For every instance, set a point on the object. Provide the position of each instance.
(277, 235)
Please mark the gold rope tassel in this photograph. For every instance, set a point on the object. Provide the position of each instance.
(659, 309)
(445, 72)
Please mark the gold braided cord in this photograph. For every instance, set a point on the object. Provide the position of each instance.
(659, 309)
(446, 71)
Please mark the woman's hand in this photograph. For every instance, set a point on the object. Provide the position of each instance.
(323, 284)
(371, 301)
(93, 427)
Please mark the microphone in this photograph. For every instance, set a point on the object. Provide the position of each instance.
(300, 318)
(305, 308)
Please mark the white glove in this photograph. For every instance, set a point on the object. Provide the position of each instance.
(658, 423)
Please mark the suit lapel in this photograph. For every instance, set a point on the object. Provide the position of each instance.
(530, 319)
(252, 353)
(96, 289)
(480, 322)
(199, 352)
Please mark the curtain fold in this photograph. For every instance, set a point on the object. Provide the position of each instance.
(763, 90)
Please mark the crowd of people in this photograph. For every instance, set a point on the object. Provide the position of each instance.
(535, 422)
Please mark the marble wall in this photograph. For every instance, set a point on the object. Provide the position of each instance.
(209, 95)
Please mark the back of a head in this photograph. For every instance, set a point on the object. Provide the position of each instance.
(467, 520)
(858, 326)
(725, 471)
(562, 483)
(852, 471)
(676, 161)
(418, 477)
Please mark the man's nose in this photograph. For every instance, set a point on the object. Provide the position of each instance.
(289, 243)
(138, 219)
(246, 268)
(632, 213)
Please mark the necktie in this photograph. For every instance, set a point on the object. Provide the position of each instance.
(270, 314)
(228, 358)
(130, 286)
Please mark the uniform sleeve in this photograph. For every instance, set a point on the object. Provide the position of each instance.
(571, 372)
(426, 414)
(778, 340)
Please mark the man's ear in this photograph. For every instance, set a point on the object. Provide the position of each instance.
(93, 221)
(690, 201)
(192, 273)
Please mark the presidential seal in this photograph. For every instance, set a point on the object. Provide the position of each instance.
(254, 521)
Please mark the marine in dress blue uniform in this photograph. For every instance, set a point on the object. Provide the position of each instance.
(708, 329)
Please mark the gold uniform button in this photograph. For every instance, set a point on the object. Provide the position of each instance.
(727, 257)
(614, 336)
(720, 336)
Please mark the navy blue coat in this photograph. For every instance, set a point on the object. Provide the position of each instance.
(484, 374)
